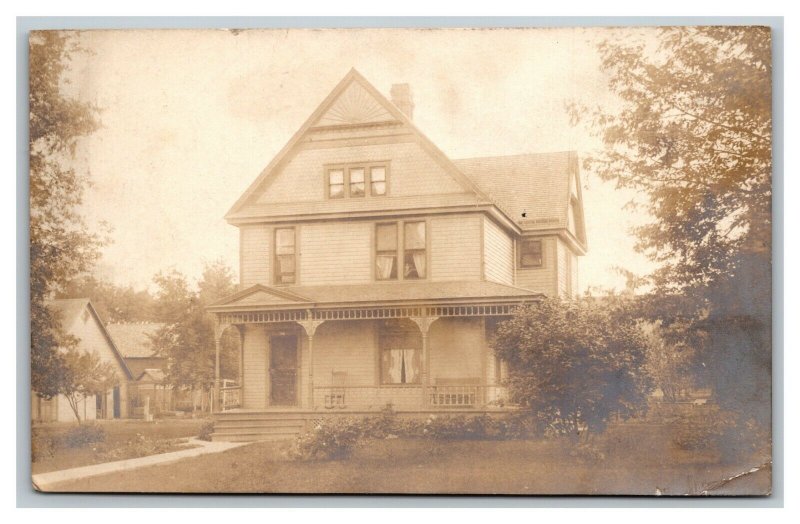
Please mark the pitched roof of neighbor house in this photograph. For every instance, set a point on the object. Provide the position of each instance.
(151, 375)
(262, 296)
(133, 338)
(70, 309)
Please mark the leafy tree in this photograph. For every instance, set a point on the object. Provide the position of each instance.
(574, 364)
(61, 246)
(86, 375)
(113, 303)
(187, 339)
(693, 136)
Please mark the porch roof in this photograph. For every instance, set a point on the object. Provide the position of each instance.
(260, 297)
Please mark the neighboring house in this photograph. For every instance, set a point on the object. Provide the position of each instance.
(134, 341)
(374, 268)
(79, 319)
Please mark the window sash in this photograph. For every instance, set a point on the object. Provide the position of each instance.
(531, 253)
(377, 181)
(357, 182)
(285, 256)
(336, 183)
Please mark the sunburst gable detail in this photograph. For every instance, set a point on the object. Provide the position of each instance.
(354, 106)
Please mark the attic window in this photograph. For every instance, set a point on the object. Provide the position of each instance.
(530, 253)
(360, 180)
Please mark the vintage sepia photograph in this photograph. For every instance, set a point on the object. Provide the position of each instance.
(531, 261)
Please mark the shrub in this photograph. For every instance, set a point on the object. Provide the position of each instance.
(702, 429)
(81, 436)
(335, 438)
(41, 448)
(206, 430)
(331, 439)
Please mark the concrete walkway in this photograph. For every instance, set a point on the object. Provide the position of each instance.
(45, 481)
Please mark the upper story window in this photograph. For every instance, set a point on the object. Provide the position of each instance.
(386, 251)
(530, 253)
(357, 181)
(414, 252)
(285, 256)
(391, 249)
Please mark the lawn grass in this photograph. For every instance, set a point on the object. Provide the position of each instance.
(120, 437)
(415, 466)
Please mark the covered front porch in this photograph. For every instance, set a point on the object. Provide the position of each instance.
(303, 355)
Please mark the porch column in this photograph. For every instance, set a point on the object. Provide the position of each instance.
(219, 329)
(310, 327)
(424, 324)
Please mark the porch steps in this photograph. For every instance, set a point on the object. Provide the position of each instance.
(249, 427)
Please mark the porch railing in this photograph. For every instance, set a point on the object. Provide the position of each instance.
(230, 397)
(409, 397)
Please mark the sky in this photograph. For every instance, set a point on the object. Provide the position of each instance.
(190, 118)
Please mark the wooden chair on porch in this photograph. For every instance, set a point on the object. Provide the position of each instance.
(335, 398)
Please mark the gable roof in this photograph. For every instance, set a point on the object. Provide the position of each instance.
(153, 375)
(534, 189)
(70, 309)
(133, 339)
(386, 293)
(333, 112)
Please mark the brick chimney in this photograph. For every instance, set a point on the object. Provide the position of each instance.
(401, 97)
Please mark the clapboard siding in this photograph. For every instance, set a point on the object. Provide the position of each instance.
(346, 346)
(255, 253)
(412, 171)
(574, 273)
(498, 254)
(562, 276)
(254, 351)
(543, 279)
(457, 349)
(338, 253)
(455, 248)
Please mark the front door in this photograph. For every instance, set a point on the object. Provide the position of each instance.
(116, 398)
(283, 370)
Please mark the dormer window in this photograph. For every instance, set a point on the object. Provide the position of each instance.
(357, 180)
(530, 253)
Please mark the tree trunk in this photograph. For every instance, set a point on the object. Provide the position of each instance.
(73, 403)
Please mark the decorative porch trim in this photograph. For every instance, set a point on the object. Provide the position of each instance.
(302, 316)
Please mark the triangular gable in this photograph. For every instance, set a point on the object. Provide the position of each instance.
(337, 109)
(260, 294)
(72, 309)
(354, 106)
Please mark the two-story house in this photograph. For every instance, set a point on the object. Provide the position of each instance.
(373, 267)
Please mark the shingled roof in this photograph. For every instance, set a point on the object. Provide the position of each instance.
(533, 188)
(133, 339)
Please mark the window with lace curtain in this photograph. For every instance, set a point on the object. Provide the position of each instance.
(401, 251)
(401, 353)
